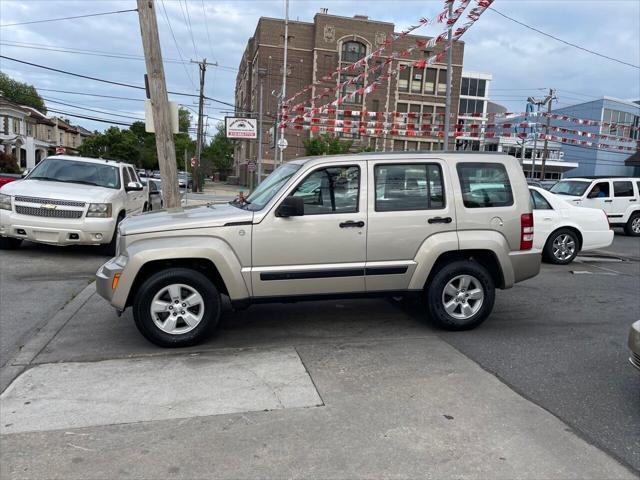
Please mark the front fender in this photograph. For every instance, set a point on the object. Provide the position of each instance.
(213, 249)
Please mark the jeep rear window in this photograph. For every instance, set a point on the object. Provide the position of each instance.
(403, 187)
(484, 185)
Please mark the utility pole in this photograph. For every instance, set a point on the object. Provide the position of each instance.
(545, 152)
(262, 72)
(447, 108)
(159, 103)
(284, 72)
(199, 136)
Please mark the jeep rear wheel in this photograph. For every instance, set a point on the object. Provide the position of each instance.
(176, 307)
(632, 228)
(460, 296)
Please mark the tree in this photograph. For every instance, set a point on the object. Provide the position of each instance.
(21, 93)
(326, 145)
(8, 164)
(220, 151)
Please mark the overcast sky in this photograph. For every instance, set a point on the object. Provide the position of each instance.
(521, 61)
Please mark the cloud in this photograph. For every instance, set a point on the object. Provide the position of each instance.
(518, 58)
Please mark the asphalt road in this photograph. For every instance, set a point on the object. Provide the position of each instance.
(560, 339)
(35, 282)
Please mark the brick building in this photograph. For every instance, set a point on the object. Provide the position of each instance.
(317, 48)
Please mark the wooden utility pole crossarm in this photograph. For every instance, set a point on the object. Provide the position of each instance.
(159, 103)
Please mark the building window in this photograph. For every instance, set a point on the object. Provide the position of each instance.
(403, 80)
(416, 80)
(482, 86)
(464, 86)
(430, 81)
(348, 89)
(398, 145)
(353, 51)
(442, 82)
(16, 125)
(5, 125)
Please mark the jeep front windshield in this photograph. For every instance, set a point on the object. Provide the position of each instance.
(270, 186)
(72, 171)
(572, 187)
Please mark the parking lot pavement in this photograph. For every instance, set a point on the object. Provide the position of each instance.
(35, 282)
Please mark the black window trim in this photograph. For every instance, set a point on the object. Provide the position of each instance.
(480, 165)
(324, 167)
(623, 181)
(398, 164)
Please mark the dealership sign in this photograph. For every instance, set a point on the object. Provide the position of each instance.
(240, 127)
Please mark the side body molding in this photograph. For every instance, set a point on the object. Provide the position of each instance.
(213, 249)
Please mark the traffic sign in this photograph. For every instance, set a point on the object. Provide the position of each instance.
(194, 161)
(282, 143)
(60, 150)
(251, 166)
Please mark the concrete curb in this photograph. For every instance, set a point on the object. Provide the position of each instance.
(39, 341)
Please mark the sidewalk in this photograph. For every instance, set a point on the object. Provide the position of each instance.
(348, 389)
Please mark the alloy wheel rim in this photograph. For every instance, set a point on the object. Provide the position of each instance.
(564, 246)
(635, 225)
(177, 308)
(462, 297)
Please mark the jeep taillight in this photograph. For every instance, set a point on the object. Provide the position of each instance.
(526, 231)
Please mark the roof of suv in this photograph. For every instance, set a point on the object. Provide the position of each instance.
(401, 156)
(591, 179)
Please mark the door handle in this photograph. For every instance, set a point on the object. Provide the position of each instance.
(608, 201)
(440, 220)
(352, 224)
(632, 199)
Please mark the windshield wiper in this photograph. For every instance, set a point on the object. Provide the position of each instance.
(83, 182)
(52, 179)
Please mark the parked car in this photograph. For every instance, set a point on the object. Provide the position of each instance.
(563, 230)
(70, 200)
(155, 174)
(619, 197)
(370, 231)
(634, 344)
(155, 192)
(547, 184)
(8, 178)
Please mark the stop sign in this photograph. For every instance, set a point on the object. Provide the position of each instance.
(194, 161)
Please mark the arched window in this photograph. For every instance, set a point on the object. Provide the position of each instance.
(353, 51)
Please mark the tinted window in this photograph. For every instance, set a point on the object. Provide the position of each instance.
(271, 185)
(484, 185)
(126, 176)
(72, 171)
(599, 190)
(623, 189)
(539, 202)
(408, 187)
(330, 190)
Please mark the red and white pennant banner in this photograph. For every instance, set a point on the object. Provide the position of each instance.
(473, 16)
(585, 143)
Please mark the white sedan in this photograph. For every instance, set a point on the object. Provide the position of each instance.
(562, 230)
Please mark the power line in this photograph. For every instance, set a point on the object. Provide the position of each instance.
(68, 18)
(188, 22)
(563, 41)
(94, 119)
(206, 24)
(98, 53)
(166, 17)
(90, 94)
(104, 112)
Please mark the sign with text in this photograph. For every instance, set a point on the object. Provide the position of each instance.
(240, 127)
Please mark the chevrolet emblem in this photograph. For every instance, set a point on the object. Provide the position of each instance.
(49, 206)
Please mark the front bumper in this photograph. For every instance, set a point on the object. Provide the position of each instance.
(634, 344)
(104, 279)
(57, 231)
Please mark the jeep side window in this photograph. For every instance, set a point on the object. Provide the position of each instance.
(599, 190)
(623, 189)
(330, 190)
(484, 185)
(408, 187)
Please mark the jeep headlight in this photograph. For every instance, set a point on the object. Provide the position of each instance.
(102, 210)
(5, 202)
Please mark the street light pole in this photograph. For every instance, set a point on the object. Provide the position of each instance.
(284, 72)
(447, 111)
(262, 72)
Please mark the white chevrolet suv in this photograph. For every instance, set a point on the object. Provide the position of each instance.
(69, 200)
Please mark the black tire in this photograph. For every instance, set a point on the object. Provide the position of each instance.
(634, 221)
(559, 259)
(145, 207)
(109, 249)
(435, 295)
(9, 243)
(154, 284)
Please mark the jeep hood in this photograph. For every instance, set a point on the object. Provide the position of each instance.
(59, 190)
(184, 218)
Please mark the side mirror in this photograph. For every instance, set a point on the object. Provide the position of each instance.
(133, 187)
(291, 207)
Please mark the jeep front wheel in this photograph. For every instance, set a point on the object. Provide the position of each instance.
(460, 296)
(177, 307)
